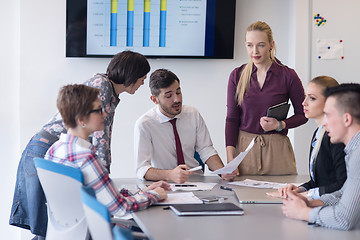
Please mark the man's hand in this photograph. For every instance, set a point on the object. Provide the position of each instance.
(179, 174)
(296, 206)
(230, 176)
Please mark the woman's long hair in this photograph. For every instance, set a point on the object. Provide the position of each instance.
(246, 73)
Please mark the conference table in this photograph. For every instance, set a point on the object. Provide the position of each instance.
(260, 221)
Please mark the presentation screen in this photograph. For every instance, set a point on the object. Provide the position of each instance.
(155, 28)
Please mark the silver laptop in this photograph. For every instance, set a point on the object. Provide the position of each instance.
(248, 195)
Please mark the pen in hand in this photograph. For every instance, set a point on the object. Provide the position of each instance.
(195, 169)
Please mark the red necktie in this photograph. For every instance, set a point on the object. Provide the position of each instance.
(179, 152)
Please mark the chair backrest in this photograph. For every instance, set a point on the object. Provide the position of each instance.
(197, 157)
(99, 219)
(122, 234)
(61, 185)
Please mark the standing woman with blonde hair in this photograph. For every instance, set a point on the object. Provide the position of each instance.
(252, 89)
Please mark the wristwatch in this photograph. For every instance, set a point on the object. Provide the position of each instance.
(279, 128)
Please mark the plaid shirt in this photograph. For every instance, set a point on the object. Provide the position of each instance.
(79, 153)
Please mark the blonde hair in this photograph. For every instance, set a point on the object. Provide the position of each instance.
(324, 82)
(246, 72)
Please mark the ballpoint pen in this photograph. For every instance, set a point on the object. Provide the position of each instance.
(226, 188)
(185, 185)
(195, 169)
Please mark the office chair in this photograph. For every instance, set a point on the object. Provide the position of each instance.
(197, 157)
(99, 219)
(61, 184)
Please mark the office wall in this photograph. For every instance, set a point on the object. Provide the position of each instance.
(36, 68)
(9, 113)
(338, 17)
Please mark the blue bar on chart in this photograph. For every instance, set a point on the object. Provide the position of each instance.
(130, 24)
(113, 23)
(162, 35)
(146, 27)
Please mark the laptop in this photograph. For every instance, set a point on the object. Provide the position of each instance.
(255, 196)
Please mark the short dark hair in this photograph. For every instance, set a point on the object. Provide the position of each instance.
(348, 98)
(161, 78)
(127, 67)
(75, 101)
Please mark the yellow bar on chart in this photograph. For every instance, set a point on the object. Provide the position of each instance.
(130, 6)
(114, 6)
(146, 5)
(162, 5)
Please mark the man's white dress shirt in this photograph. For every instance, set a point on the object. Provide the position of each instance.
(154, 140)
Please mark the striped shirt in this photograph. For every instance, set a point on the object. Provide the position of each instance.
(342, 208)
(79, 153)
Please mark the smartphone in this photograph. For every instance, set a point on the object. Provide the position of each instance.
(212, 199)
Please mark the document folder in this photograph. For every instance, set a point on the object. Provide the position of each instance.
(206, 209)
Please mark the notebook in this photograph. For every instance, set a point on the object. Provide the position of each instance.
(206, 209)
(279, 111)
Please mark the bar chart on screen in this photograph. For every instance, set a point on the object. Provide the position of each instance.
(147, 26)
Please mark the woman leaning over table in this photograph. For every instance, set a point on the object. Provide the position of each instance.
(126, 72)
(254, 87)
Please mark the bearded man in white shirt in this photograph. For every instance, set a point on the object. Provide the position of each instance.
(155, 145)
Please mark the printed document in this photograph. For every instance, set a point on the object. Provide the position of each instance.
(231, 166)
(180, 198)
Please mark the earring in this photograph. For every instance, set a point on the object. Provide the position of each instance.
(84, 125)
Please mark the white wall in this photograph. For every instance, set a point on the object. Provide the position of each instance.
(35, 68)
(340, 69)
(9, 113)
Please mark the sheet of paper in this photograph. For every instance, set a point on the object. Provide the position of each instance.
(231, 166)
(180, 198)
(260, 184)
(192, 186)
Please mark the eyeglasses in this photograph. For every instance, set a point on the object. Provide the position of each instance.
(99, 110)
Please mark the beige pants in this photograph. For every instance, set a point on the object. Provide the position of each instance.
(271, 154)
